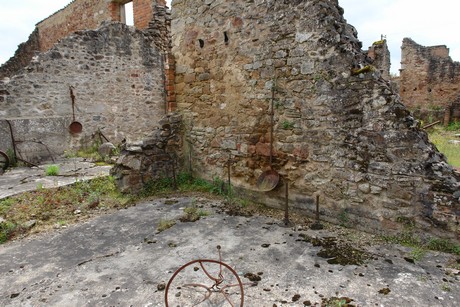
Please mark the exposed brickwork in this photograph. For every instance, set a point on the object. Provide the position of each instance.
(78, 15)
(143, 13)
(429, 79)
(338, 132)
(170, 86)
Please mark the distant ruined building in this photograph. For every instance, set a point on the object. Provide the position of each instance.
(430, 82)
(235, 88)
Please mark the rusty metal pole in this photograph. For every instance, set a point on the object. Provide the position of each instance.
(286, 206)
(173, 160)
(317, 224)
(228, 171)
(317, 208)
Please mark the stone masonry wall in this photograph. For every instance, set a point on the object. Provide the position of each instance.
(117, 78)
(22, 56)
(341, 135)
(429, 79)
(152, 158)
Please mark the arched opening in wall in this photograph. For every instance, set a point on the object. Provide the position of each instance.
(127, 13)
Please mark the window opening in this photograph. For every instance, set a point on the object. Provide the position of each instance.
(127, 13)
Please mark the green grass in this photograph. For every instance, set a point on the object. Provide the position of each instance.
(421, 246)
(52, 170)
(70, 204)
(58, 206)
(287, 125)
(185, 183)
(165, 224)
(193, 213)
(440, 137)
(7, 230)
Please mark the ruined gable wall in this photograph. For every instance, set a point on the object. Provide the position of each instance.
(78, 15)
(89, 14)
(118, 82)
(429, 78)
(345, 137)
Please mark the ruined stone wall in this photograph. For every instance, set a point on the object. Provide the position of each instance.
(344, 136)
(117, 78)
(380, 56)
(22, 56)
(152, 158)
(429, 78)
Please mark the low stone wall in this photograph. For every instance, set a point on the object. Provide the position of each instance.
(153, 158)
(36, 139)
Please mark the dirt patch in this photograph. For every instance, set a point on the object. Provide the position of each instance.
(337, 251)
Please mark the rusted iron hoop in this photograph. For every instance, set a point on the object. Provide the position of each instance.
(201, 261)
(4, 160)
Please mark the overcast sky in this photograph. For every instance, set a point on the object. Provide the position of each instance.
(428, 23)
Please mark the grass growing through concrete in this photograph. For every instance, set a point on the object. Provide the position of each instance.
(47, 208)
(52, 170)
(165, 224)
(193, 214)
(420, 246)
(43, 209)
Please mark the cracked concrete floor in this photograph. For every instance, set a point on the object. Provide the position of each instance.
(120, 259)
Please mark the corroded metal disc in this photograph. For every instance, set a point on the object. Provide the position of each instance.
(75, 127)
(268, 180)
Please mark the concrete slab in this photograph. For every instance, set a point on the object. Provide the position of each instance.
(119, 259)
(22, 179)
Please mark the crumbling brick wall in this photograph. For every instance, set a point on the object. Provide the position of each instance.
(341, 135)
(89, 14)
(429, 79)
(117, 78)
(77, 15)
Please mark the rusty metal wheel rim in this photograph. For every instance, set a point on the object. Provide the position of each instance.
(4, 160)
(201, 261)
